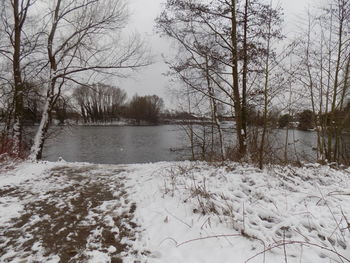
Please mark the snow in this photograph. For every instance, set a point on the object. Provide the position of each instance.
(24, 171)
(9, 207)
(252, 208)
(179, 212)
(98, 257)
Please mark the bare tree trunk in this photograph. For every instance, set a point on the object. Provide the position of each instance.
(329, 77)
(266, 95)
(40, 136)
(215, 115)
(191, 135)
(39, 140)
(245, 68)
(241, 136)
(287, 131)
(322, 127)
(19, 13)
(218, 126)
(311, 88)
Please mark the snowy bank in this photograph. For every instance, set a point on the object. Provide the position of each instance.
(175, 212)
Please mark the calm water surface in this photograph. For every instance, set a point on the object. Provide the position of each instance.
(142, 144)
(115, 144)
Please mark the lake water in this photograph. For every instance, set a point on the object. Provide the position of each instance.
(115, 144)
(142, 144)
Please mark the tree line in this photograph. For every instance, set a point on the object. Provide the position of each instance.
(105, 103)
(306, 119)
(97, 103)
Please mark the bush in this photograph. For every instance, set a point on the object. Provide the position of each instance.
(6, 149)
(146, 108)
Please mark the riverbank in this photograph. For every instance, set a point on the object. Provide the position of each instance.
(173, 212)
(129, 122)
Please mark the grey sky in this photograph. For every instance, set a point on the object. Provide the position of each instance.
(150, 80)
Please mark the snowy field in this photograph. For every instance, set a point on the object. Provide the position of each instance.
(173, 213)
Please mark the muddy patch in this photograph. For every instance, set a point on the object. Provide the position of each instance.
(88, 211)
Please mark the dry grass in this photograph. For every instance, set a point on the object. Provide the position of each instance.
(223, 207)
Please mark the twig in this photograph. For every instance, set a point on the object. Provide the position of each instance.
(346, 220)
(178, 218)
(335, 220)
(284, 246)
(208, 237)
(207, 220)
(168, 238)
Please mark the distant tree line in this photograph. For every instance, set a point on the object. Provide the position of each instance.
(99, 102)
(306, 119)
(105, 103)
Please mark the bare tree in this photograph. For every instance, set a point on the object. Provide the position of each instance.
(99, 102)
(325, 75)
(145, 108)
(272, 20)
(82, 38)
(13, 51)
(229, 35)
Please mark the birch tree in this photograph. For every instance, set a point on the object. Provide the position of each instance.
(83, 37)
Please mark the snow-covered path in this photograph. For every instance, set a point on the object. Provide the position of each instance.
(70, 213)
(189, 212)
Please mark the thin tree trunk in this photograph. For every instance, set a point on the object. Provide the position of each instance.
(287, 131)
(190, 126)
(266, 96)
(245, 68)
(236, 93)
(19, 18)
(321, 147)
(215, 115)
(329, 77)
(311, 87)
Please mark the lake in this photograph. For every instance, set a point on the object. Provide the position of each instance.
(115, 144)
(143, 144)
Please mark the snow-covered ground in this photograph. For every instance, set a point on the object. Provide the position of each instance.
(173, 212)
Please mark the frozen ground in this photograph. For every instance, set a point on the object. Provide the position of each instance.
(173, 212)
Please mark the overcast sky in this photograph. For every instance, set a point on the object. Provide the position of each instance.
(150, 80)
